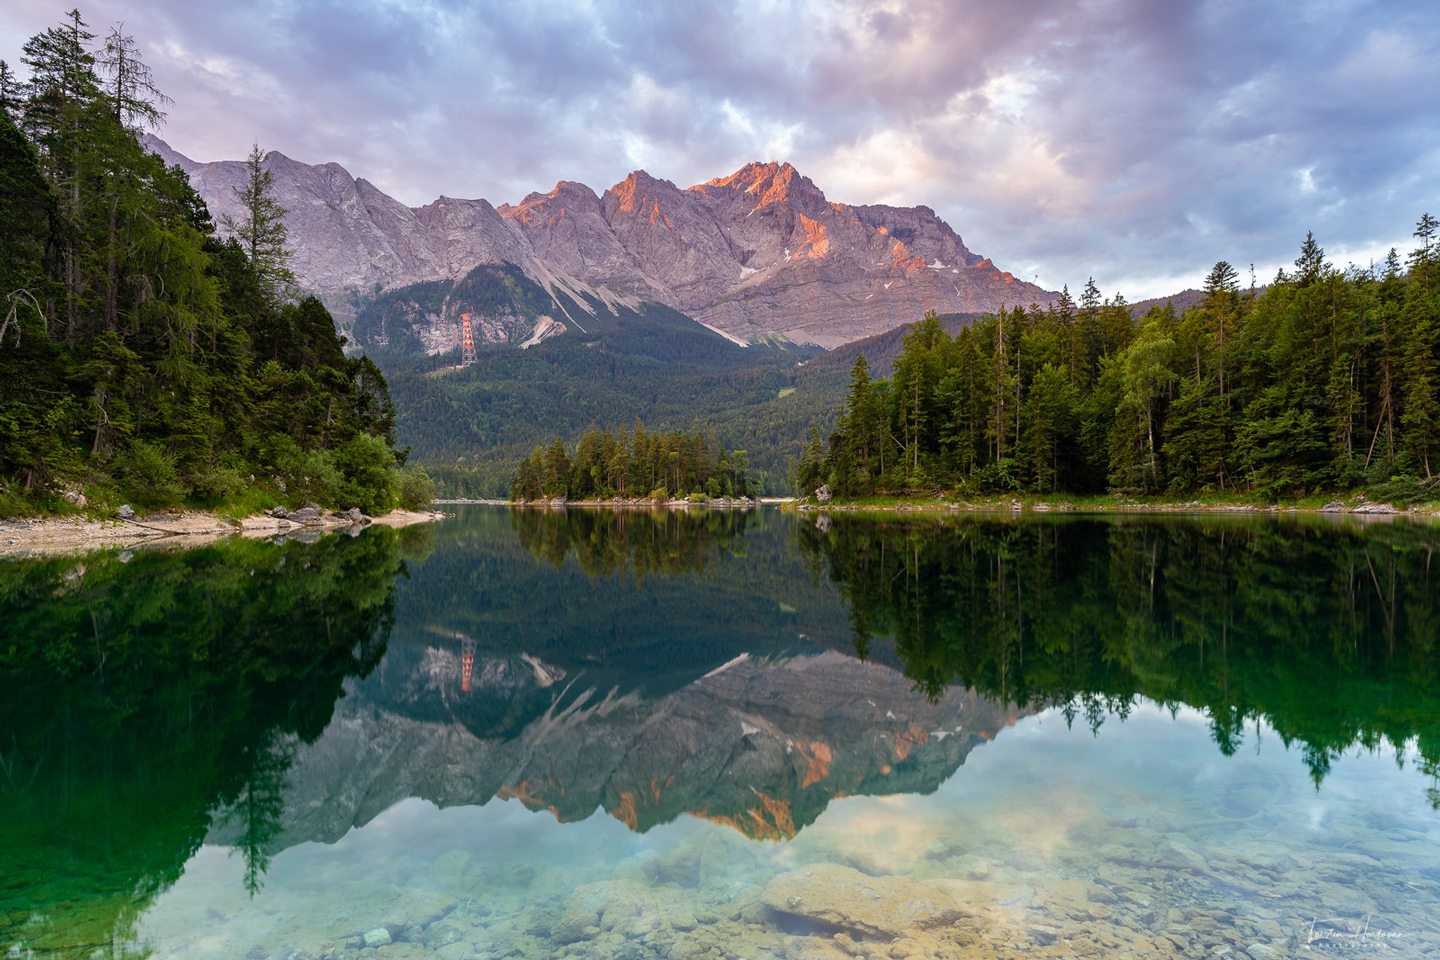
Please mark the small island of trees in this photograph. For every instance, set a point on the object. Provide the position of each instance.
(633, 464)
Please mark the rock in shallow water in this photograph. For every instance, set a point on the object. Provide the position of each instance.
(846, 898)
(377, 937)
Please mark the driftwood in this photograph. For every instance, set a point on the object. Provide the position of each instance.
(168, 533)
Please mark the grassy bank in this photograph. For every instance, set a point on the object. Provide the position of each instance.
(375, 488)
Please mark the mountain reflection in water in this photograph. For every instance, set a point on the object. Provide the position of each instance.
(741, 668)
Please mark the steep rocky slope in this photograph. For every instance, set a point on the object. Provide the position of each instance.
(759, 253)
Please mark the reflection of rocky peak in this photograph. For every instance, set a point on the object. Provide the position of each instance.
(760, 745)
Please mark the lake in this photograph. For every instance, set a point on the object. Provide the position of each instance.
(729, 734)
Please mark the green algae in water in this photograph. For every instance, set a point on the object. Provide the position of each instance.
(599, 734)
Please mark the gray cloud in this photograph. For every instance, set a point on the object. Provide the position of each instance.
(1133, 140)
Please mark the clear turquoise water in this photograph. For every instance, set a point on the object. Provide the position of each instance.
(1066, 738)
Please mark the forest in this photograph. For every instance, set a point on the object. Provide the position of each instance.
(633, 463)
(148, 354)
(1325, 380)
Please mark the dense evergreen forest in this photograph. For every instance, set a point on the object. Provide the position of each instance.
(633, 463)
(1327, 380)
(144, 358)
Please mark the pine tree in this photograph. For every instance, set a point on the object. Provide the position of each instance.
(11, 98)
(261, 231)
(1310, 265)
(1049, 427)
(134, 99)
(858, 428)
(62, 91)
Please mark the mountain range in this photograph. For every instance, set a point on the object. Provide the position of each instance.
(760, 254)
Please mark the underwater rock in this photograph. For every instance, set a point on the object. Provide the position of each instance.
(625, 905)
(377, 937)
(846, 898)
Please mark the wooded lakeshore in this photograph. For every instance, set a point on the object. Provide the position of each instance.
(1325, 380)
(146, 359)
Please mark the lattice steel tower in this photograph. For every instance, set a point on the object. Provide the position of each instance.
(467, 660)
(467, 341)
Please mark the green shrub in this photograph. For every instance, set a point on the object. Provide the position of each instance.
(659, 494)
(416, 489)
(147, 472)
(12, 502)
(369, 477)
(1405, 490)
(217, 484)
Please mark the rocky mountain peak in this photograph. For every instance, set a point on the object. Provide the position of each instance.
(765, 184)
(760, 252)
(567, 196)
(639, 193)
(749, 177)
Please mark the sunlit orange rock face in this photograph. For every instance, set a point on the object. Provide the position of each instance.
(760, 251)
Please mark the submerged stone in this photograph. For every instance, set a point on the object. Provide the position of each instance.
(843, 897)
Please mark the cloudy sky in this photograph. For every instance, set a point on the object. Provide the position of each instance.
(1137, 141)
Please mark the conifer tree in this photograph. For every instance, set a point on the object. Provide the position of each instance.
(261, 230)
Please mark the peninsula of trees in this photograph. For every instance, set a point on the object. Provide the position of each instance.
(1326, 380)
(142, 357)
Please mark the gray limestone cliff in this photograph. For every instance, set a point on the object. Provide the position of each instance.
(759, 253)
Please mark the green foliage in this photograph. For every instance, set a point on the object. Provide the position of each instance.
(148, 474)
(605, 466)
(1323, 381)
(369, 476)
(260, 228)
(471, 426)
(417, 490)
(141, 355)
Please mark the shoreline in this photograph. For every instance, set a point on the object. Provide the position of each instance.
(1012, 506)
(636, 503)
(1363, 509)
(52, 536)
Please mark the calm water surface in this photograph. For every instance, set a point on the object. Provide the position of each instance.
(587, 734)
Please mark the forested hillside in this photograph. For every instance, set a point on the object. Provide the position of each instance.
(142, 358)
(472, 425)
(1326, 380)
